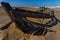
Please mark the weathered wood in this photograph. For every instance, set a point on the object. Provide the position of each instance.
(18, 15)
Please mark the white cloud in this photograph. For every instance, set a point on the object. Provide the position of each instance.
(53, 6)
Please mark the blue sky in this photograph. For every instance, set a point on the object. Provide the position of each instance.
(33, 2)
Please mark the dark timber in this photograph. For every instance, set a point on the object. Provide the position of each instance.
(18, 16)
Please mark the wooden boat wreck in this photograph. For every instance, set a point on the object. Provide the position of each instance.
(19, 17)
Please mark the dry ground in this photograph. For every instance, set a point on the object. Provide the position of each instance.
(13, 33)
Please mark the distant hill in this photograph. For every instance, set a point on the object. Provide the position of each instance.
(55, 8)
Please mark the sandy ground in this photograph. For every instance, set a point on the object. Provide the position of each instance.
(13, 33)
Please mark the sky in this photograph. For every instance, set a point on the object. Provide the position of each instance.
(32, 2)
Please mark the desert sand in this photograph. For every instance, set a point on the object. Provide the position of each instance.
(13, 33)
